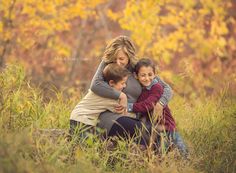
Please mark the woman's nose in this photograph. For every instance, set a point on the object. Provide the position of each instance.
(118, 62)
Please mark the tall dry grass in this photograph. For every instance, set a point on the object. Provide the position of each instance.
(206, 124)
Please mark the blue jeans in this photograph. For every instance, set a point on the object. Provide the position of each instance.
(179, 143)
(82, 131)
(173, 139)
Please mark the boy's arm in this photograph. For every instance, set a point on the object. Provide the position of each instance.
(167, 92)
(100, 87)
(149, 103)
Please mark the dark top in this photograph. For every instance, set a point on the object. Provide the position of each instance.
(147, 100)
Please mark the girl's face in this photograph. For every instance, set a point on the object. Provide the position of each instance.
(145, 76)
(121, 58)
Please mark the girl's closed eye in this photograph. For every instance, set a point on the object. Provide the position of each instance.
(150, 74)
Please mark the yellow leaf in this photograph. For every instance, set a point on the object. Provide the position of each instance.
(1, 27)
(113, 16)
(7, 35)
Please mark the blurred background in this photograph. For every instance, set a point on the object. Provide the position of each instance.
(50, 50)
(60, 42)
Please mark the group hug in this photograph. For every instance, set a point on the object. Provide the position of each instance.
(128, 99)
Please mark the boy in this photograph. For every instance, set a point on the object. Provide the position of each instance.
(88, 109)
(151, 93)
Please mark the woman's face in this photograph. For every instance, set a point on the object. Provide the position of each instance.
(121, 58)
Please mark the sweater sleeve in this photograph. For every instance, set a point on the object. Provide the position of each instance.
(167, 93)
(149, 103)
(100, 87)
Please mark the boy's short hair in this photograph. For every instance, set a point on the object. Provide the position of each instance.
(144, 62)
(114, 72)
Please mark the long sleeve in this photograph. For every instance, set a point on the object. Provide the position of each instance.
(167, 93)
(100, 87)
(148, 103)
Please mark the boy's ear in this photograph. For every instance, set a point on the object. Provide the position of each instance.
(111, 83)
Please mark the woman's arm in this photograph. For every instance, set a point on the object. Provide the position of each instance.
(167, 93)
(149, 103)
(100, 87)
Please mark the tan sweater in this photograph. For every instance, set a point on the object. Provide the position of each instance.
(89, 108)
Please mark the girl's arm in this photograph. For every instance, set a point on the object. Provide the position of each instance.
(149, 103)
(167, 92)
(100, 87)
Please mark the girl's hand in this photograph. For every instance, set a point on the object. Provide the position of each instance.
(158, 110)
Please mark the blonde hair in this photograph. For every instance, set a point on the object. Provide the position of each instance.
(123, 43)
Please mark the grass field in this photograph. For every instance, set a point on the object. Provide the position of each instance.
(207, 125)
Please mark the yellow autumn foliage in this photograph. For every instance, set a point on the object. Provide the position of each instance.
(43, 18)
(170, 31)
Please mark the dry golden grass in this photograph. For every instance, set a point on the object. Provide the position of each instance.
(207, 125)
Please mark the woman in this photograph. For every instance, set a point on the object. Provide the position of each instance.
(122, 51)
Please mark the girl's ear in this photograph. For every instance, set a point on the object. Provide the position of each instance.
(111, 83)
(135, 75)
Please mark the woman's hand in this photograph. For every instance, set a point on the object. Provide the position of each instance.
(121, 108)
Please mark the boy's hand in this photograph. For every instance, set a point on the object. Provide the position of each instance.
(119, 109)
(122, 107)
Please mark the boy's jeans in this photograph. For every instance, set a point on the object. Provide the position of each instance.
(83, 130)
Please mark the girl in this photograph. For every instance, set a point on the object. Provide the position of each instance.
(151, 94)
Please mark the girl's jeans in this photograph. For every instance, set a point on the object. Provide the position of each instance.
(173, 138)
